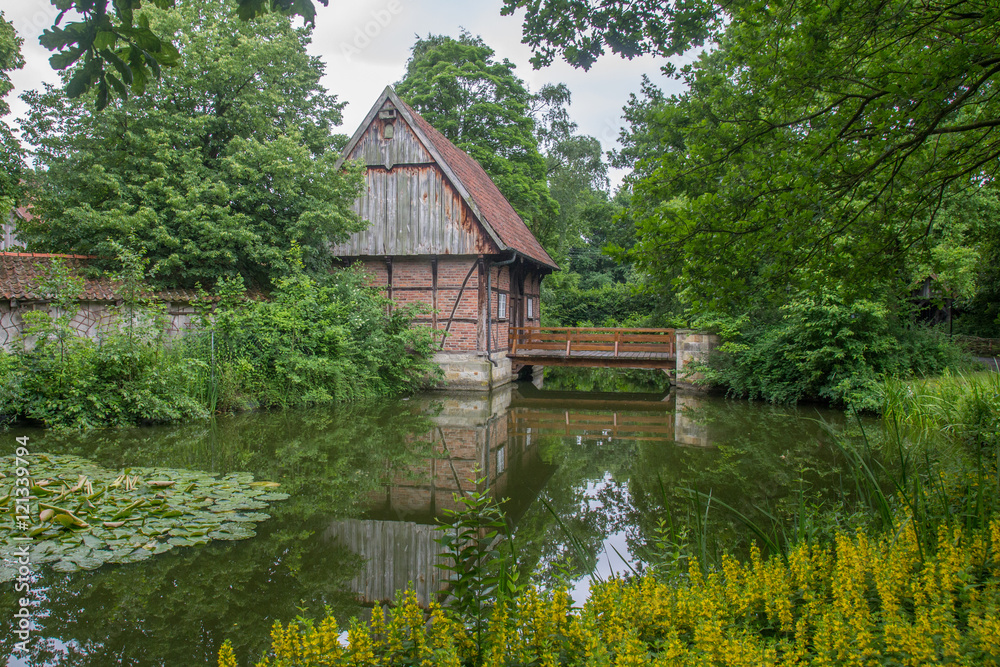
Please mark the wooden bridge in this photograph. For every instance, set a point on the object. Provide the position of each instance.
(593, 346)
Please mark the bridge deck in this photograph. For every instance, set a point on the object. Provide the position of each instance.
(593, 346)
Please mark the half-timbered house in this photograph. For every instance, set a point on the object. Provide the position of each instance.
(442, 234)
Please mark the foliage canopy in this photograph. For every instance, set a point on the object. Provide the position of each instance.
(225, 164)
(817, 141)
(11, 163)
(113, 52)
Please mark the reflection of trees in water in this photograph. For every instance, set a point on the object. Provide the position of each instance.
(607, 379)
(177, 608)
(760, 458)
(542, 541)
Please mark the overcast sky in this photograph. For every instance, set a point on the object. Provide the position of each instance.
(365, 45)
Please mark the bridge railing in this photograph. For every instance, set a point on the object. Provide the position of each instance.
(567, 340)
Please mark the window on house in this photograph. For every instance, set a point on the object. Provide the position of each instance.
(531, 310)
(501, 460)
(501, 306)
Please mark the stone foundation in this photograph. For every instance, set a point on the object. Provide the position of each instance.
(692, 346)
(472, 371)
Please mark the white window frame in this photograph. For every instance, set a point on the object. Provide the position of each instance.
(531, 310)
(501, 306)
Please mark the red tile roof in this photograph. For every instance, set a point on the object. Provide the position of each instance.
(494, 208)
(22, 274)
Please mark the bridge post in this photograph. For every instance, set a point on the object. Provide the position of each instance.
(692, 346)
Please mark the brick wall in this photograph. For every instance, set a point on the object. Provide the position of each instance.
(500, 326)
(413, 281)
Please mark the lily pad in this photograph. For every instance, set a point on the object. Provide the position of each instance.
(88, 516)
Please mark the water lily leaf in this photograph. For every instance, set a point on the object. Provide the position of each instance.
(131, 514)
(135, 556)
(65, 566)
(69, 521)
(232, 531)
(93, 542)
(88, 563)
(162, 547)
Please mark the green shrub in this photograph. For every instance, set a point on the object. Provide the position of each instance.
(569, 301)
(828, 349)
(314, 340)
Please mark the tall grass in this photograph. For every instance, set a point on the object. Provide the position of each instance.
(962, 407)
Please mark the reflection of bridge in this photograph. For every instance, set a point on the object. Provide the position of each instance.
(593, 346)
(589, 425)
(592, 415)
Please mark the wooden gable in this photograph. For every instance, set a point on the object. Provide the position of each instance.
(425, 196)
(412, 206)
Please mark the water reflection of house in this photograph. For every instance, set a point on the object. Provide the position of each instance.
(495, 438)
(470, 441)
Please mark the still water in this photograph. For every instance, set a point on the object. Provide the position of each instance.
(591, 468)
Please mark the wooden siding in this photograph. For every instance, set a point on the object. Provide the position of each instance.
(412, 207)
(413, 211)
(374, 150)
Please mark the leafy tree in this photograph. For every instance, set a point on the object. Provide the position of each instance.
(580, 31)
(963, 261)
(482, 107)
(217, 172)
(578, 180)
(592, 288)
(11, 163)
(121, 50)
(816, 143)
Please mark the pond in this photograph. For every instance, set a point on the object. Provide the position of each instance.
(594, 467)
